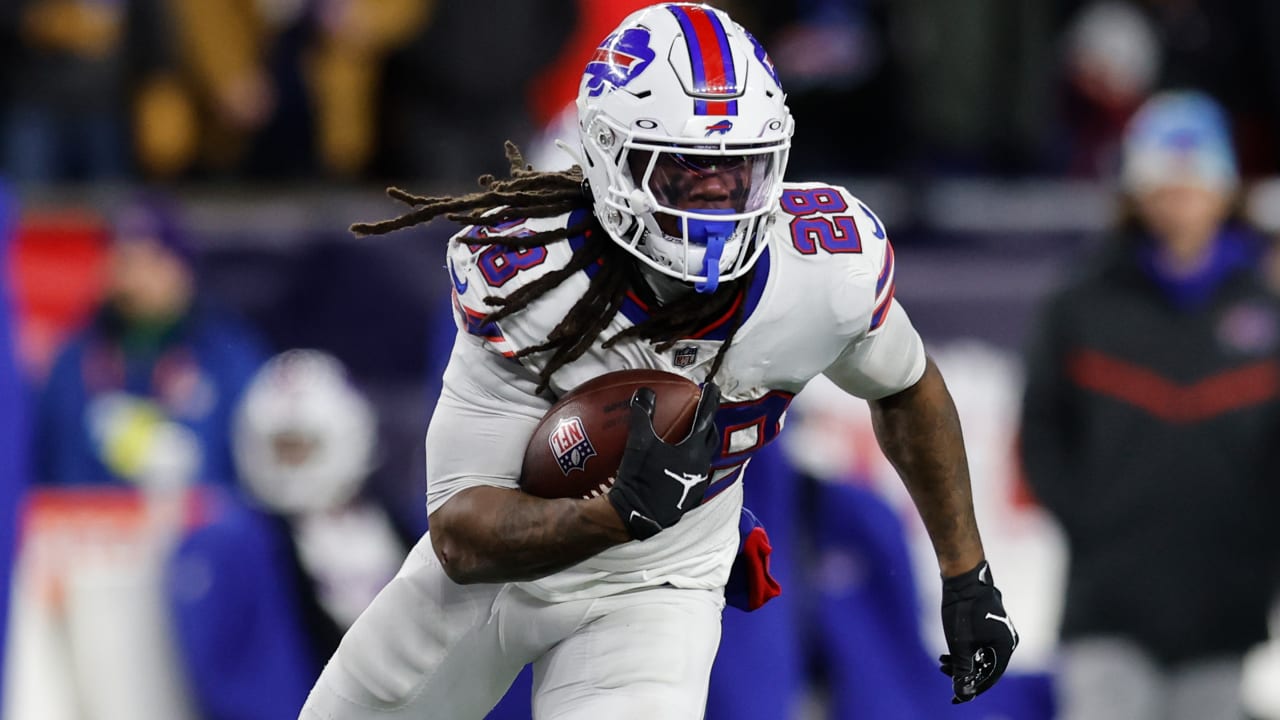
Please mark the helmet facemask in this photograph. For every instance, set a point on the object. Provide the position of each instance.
(693, 210)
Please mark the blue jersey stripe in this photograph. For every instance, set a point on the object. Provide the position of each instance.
(886, 270)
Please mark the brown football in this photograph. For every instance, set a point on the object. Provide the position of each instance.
(578, 445)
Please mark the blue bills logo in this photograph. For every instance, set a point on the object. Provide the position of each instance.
(619, 59)
(685, 357)
(722, 128)
(570, 444)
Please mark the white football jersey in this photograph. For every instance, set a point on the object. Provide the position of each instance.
(821, 301)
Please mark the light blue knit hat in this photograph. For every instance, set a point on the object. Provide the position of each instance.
(1179, 138)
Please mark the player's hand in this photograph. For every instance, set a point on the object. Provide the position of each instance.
(658, 482)
(980, 636)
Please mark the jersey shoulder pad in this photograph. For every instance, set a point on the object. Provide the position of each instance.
(821, 220)
(480, 267)
(839, 238)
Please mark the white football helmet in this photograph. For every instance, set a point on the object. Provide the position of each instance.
(677, 94)
(304, 436)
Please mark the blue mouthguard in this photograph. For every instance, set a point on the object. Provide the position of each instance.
(713, 234)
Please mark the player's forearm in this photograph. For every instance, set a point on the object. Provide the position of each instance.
(489, 534)
(919, 431)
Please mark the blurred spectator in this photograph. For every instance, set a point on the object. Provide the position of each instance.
(1111, 63)
(1150, 420)
(1230, 50)
(346, 63)
(69, 72)
(144, 394)
(244, 60)
(262, 593)
(13, 452)
(289, 86)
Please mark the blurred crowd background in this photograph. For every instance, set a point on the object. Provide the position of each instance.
(213, 397)
(334, 92)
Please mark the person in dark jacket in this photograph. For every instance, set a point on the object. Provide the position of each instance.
(1151, 411)
(143, 396)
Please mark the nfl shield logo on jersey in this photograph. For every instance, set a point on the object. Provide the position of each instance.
(570, 444)
(685, 357)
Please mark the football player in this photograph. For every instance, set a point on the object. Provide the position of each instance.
(302, 554)
(673, 244)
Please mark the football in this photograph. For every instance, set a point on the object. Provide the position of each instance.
(578, 445)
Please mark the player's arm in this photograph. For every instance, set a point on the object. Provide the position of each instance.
(491, 534)
(483, 528)
(918, 429)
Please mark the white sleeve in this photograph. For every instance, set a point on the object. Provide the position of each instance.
(486, 413)
(881, 363)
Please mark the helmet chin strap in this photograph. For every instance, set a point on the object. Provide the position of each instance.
(713, 234)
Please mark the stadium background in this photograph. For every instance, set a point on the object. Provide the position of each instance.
(984, 133)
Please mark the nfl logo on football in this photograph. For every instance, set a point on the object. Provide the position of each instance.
(570, 444)
(685, 357)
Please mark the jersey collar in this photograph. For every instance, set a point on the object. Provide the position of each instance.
(637, 310)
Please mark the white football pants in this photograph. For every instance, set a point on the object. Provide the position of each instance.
(428, 648)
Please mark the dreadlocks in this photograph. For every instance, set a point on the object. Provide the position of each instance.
(531, 194)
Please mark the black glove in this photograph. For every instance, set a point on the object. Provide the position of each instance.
(658, 482)
(979, 633)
